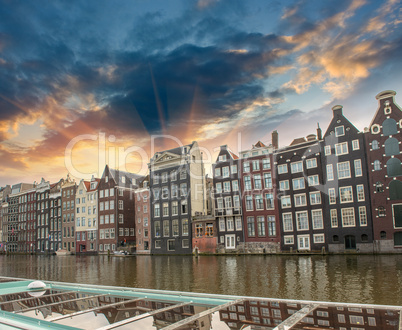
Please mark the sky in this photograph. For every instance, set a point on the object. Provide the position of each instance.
(83, 84)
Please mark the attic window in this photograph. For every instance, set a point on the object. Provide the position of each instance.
(106, 179)
(123, 179)
(93, 185)
(134, 182)
(339, 131)
(222, 158)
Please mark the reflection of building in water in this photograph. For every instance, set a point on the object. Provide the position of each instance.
(269, 314)
(164, 319)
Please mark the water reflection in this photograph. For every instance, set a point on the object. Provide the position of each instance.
(364, 279)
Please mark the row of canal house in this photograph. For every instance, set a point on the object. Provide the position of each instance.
(334, 191)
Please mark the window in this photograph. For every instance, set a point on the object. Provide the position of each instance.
(166, 231)
(296, 167)
(302, 220)
(341, 148)
(256, 165)
(375, 145)
(300, 200)
(283, 168)
(284, 185)
(377, 165)
(233, 169)
(183, 189)
(348, 217)
(164, 177)
(288, 240)
(184, 208)
(394, 167)
(346, 194)
(269, 198)
(285, 201)
(175, 227)
(246, 167)
(334, 218)
(343, 170)
(319, 238)
(360, 193)
(219, 187)
(261, 226)
(266, 164)
(184, 227)
(362, 216)
(391, 147)
(250, 226)
(330, 172)
(395, 190)
(249, 203)
(157, 212)
(358, 167)
(121, 218)
(158, 244)
(268, 180)
(259, 205)
(226, 186)
(225, 172)
(217, 172)
(121, 205)
(228, 202)
(271, 225)
(222, 224)
(247, 183)
(339, 131)
(175, 208)
(389, 127)
(311, 163)
(183, 174)
(165, 209)
(313, 180)
(235, 185)
(219, 203)
(230, 224)
(165, 192)
(315, 197)
(327, 150)
(238, 223)
(298, 183)
(355, 145)
(317, 220)
(257, 181)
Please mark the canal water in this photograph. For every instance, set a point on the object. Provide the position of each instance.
(351, 278)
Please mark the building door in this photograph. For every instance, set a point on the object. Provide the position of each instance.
(303, 242)
(230, 242)
(350, 242)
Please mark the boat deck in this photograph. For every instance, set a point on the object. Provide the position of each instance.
(82, 306)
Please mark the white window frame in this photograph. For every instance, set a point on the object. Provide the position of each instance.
(300, 179)
(288, 240)
(313, 214)
(358, 167)
(347, 188)
(355, 145)
(287, 222)
(330, 172)
(341, 133)
(338, 165)
(360, 193)
(313, 199)
(349, 209)
(327, 150)
(341, 149)
(296, 167)
(311, 163)
(333, 214)
(318, 238)
(299, 228)
(284, 185)
(300, 197)
(283, 168)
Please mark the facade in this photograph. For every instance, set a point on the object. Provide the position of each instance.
(4, 193)
(228, 206)
(177, 183)
(346, 197)
(68, 190)
(142, 217)
(31, 221)
(383, 140)
(260, 205)
(299, 179)
(116, 205)
(42, 217)
(55, 224)
(86, 216)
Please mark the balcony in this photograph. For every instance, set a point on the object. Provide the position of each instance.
(228, 212)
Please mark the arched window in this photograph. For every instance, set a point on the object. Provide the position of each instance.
(391, 147)
(394, 167)
(395, 190)
(375, 145)
(377, 165)
(379, 187)
(389, 127)
(383, 235)
(398, 239)
(335, 238)
(381, 211)
(364, 238)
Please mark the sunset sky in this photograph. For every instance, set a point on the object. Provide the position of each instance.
(80, 75)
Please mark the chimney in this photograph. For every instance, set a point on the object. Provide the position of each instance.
(337, 109)
(319, 132)
(275, 139)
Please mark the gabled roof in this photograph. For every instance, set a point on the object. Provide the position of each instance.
(234, 156)
(259, 144)
(128, 178)
(298, 141)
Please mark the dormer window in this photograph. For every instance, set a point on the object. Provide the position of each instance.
(93, 185)
(222, 158)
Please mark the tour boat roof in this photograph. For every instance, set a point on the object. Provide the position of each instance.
(58, 305)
